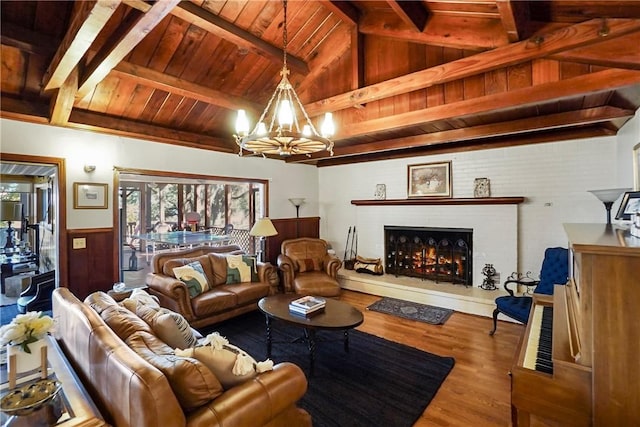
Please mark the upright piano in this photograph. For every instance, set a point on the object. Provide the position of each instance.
(578, 362)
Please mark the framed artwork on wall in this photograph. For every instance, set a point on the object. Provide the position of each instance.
(429, 180)
(88, 195)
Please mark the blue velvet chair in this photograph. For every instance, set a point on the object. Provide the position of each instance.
(555, 271)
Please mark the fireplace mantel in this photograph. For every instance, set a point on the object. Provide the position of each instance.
(442, 201)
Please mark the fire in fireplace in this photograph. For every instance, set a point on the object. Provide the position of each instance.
(439, 254)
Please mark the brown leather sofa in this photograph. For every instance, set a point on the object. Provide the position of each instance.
(131, 391)
(308, 269)
(219, 303)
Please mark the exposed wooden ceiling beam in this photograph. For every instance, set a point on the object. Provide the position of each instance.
(327, 53)
(564, 39)
(412, 13)
(178, 86)
(345, 10)
(515, 17)
(36, 112)
(89, 19)
(590, 83)
(506, 142)
(82, 119)
(135, 27)
(514, 127)
(441, 30)
(617, 53)
(62, 101)
(206, 20)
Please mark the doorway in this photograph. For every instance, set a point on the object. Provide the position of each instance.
(33, 184)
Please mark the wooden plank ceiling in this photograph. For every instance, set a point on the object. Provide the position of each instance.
(402, 78)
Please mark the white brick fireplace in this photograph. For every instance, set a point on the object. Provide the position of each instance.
(495, 241)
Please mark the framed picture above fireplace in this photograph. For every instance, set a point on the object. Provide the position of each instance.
(429, 180)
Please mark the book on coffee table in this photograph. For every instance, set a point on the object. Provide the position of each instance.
(306, 305)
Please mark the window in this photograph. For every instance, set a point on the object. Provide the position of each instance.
(153, 202)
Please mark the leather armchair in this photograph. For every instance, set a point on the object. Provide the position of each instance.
(308, 269)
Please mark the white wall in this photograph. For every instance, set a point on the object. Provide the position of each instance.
(628, 137)
(107, 152)
(554, 178)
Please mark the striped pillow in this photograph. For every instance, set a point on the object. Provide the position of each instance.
(309, 264)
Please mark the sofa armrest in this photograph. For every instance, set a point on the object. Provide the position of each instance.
(285, 264)
(172, 293)
(268, 273)
(255, 402)
(332, 265)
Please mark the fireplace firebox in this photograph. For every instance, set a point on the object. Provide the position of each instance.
(434, 253)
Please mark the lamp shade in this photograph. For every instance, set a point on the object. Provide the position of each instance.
(297, 201)
(10, 211)
(263, 228)
(609, 195)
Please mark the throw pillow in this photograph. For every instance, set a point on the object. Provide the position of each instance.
(308, 264)
(230, 364)
(241, 269)
(193, 276)
(193, 383)
(169, 326)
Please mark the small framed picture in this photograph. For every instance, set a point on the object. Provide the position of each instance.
(88, 195)
(429, 180)
(381, 192)
(630, 205)
(481, 187)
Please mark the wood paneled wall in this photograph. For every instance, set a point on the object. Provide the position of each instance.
(90, 267)
(290, 228)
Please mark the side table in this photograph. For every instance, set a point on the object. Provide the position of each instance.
(77, 408)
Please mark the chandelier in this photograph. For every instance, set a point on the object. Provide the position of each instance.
(278, 130)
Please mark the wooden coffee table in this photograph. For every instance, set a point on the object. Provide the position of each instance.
(336, 315)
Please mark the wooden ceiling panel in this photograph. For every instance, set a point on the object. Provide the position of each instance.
(474, 78)
(478, 9)
(13, 70)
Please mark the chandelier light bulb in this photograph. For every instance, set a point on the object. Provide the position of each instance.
(306, 131)
(242, 123)
(285, 113)
(328, 127)
(262, 129)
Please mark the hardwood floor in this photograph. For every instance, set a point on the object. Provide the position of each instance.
(476, 392)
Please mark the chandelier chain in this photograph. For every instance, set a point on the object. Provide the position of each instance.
(285, 39)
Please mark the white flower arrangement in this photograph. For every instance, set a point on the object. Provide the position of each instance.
(25, 329)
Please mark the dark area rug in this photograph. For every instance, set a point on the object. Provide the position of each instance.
(412, 310)
(378, 383)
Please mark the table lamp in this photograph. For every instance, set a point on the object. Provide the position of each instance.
(608, 197)
(263, 228)
(10, 211)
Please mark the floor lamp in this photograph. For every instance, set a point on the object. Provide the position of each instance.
(297, 202)
(608, 197)
(263, 228)
(10, 211)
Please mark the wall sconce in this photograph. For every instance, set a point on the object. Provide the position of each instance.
(89, 168)
(297, 202)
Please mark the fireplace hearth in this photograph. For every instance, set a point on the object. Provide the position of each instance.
(434, 253)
